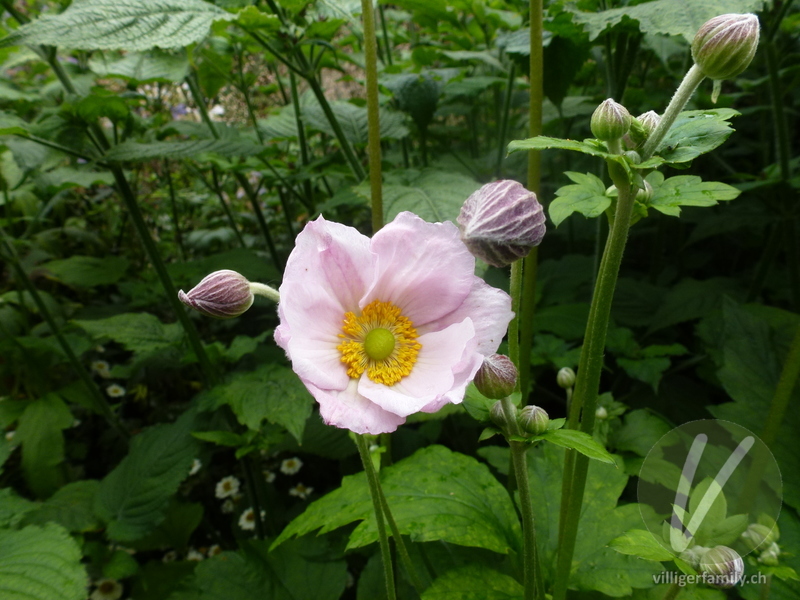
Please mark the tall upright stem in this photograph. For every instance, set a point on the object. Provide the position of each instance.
(373, 116)
(515, 291)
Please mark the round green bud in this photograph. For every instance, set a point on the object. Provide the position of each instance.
(533, 420)
(610, 121)
(565, 378)
(498, 415)
(722, 567)
(759, 536)
(600, 413)
(725, 45)
(649, 121)
(497, 377)
(770, 556)
(645, 194)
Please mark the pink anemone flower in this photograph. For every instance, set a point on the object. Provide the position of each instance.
(378, 329)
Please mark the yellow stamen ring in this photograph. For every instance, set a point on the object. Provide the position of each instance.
(380, 341)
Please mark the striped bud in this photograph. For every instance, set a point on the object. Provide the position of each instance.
(222, 294)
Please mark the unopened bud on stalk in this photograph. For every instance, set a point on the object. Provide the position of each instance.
(724, 46)
(533, 420)
(645, 194)
(770, 556)
(649, 121)
(600, 413)
(722, 567)
(498, 415)
(497, 377)
(565, 378)
(222, 294)
(501, 222)
(758, 535)
(610, 121)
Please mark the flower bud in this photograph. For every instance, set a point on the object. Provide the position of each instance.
(722, 567)
(222, 294)
(724, 46)
(645, 194)
(757, 535)
(497, 377)
(649, 121)
(501, 222)
(610, 121)
(600, 413)
(533, 420)
(565, 378)
(770, 556)
(498, 415)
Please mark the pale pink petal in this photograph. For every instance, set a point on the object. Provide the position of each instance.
(490, 311)
(423, 268)
(463, 374)
(326, 275)
(348, 409)
(440, 365)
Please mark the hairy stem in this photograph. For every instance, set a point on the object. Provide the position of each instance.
(373, 116)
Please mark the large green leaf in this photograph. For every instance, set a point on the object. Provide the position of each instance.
(142, 67)
(122, 25)
(87, 271)
(474, 582)
(300, 570)
(686, 190)
(13, 508)
(270, 392)
(135, 151)
(40, 563)
(431, 194)
(353, 121)
(435, 494)
(68, 177)
(587, 197)
(72, 507)
(664, 17)
(594, 565)
(137, 332)
(39, 432)
(133, 497)
(695, 132)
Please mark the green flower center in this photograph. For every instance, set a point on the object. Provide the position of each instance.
(379, 343)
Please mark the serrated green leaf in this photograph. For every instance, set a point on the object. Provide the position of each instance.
(690, 299)
(122, 25)
(353, 121)
(143, 67)
(41, 563)
(87, 271)
(686, 190)
(431, 194)
(133, 497)
(252, 18)
(646, 369)
(135, 151)
(13, 508)
(67, 177)
(270, 392)
(660, 16)
(580, 441)
(474, 582)
(435, 494)
(72, 507)
(181, 520)
(137, 332)
(695, 132)
(641, 543)
(587, 196)
(542, 142)
(639, 432)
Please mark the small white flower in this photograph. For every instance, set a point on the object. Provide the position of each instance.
(269, 476)
(107, 589)
(101, 369)
(247, 520)
(196, 464)
(216, 111)
(300, 491)
(214, 550)
(115, 391)
(228, 506)
(227, 487)
(169, 557)
(290, 466)
(194, 555)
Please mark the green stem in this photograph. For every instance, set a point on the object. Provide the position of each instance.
(261, 289)
(301, 136)
(515, 291)
(782, 148)
(206, 367)
(679, 100)
(530, 263)
(174, 206)
(385, 33)
(217, 189)
(375, 493)
(373, 117)
(584, 398)
(672, 592)
(503, 127)
(101, 404)
(400, 544)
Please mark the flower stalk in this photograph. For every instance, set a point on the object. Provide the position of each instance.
(373, 116)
